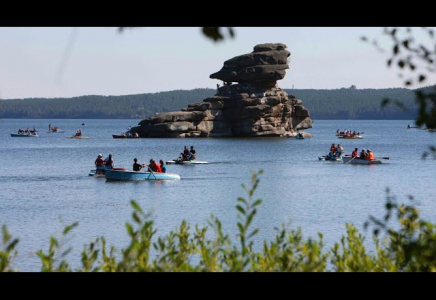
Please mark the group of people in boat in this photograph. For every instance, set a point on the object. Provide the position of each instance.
(103, 164)
(152, 166)
(27, 131)
(368, 154)
(335, 151)
(187, 154)
(347, 132)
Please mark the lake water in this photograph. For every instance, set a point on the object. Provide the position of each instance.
(45, 185)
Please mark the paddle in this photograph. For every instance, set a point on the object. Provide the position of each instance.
(385, 157)
(350, 160)
(151, 172)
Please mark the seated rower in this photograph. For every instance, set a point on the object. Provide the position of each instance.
(354, 153)
(137, 167)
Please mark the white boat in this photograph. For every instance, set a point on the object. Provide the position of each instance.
(350, 137)
(330, 159)
(119, 175)
(186, 162)
(357, 161)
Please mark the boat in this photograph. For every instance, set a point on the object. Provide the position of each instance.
(120, 175)
(350, 136)
(94, 174)
(77, 137)
(121, 136)
(335, 158)
(186, 162)
(343, 133)
(56, 131)
(23, 135)
(358, 161)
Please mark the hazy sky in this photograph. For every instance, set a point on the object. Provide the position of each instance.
(67, 62)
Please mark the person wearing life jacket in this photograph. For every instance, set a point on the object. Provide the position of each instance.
(154, 167)
(354, 153)
(99, 163)
(370, 155)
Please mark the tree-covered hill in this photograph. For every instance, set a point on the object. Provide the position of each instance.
(345, 103)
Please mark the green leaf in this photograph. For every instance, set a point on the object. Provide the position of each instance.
(241, 209)
(257, 202)
(136, 206)
(70, 227)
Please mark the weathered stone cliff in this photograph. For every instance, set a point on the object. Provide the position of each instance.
(254, 106)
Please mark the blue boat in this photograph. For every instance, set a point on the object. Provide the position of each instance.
(24, 135)
(120, 175)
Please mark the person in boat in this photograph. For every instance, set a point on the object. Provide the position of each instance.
(79, 132)
(300, 134)
(333, 149)
(354, 153)
(338, 131)
(135, 135)
(109, 162)
(362, 154)
(154, 167)
(137, 167)
(339, 150)
(408, 126)
(186, 154)
(370, 155)
(192, 151)
(49, 127)
(99, 163)
(162, 166)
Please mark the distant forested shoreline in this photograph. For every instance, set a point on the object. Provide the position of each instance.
(344, 103)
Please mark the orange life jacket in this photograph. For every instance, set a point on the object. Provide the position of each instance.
(371, 156)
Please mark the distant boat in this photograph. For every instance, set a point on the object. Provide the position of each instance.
(121, 136)
(350, 136)
(83, 124)
(186, 162)
(77, 137)
(24, 135)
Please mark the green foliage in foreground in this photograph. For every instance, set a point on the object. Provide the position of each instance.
(411, 246)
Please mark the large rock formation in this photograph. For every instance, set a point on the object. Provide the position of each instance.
(254, 106)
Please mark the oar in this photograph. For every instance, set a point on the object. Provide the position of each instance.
(151, 172)
(350, 160)
(385, 157)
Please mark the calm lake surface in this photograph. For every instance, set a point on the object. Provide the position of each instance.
(44, 183)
